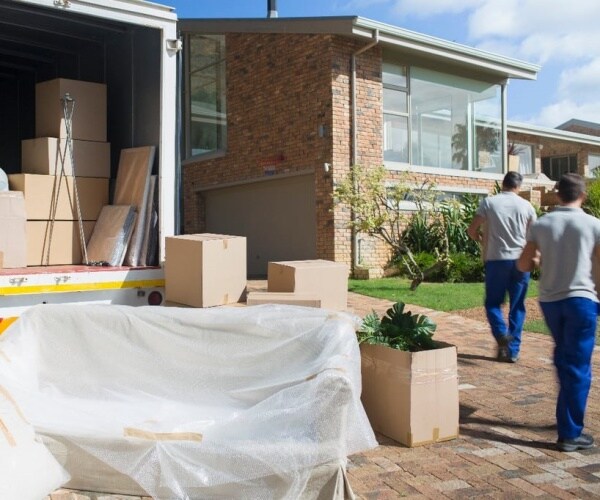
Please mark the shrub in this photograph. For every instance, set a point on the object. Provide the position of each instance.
(400, 330)
(592, 203)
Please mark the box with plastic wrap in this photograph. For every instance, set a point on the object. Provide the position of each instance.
(229, 402)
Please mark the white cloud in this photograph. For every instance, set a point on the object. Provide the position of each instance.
(426, 8)
(554, 33)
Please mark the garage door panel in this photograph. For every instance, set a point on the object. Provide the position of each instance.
(277, 217)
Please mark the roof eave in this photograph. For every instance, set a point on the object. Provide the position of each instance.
(450, 51)
(552, 133)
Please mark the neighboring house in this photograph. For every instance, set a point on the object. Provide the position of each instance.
(281, 108)
(571, 147)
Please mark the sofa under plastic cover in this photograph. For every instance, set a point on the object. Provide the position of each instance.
(177, 403)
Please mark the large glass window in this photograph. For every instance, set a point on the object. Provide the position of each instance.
(555, 166)
(593, 164)
(206, 129)
(448, 121)
(395, 112)
(525, 154)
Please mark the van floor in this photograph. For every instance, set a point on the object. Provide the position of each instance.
(65, 269)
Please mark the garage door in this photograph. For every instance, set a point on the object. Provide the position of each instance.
(277, 216)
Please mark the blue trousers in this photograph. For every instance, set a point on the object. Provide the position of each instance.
(573, 325)
(502, 277)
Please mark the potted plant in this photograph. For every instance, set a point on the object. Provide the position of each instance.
(410, 383)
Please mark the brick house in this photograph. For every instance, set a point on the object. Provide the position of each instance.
(279, 109)
(573, 146)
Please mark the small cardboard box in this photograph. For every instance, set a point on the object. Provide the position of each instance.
(89, 112)
(13, 241)
(324, 279)
(411, 397)
(38, 191)
(291, 299)
(62, 239)
(45, 156)
(205, 270)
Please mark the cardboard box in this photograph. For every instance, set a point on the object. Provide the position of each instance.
(325, 279)
(45, 156)
(411, 397)
(13, 241)
(64, 242)
(291, 299)
(38, 191)
(89, 112)
(205, 270)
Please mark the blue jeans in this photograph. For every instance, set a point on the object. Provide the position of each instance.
(502, 276)
(573, 325)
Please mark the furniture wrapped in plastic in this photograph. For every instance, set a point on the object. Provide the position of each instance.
(177, 403)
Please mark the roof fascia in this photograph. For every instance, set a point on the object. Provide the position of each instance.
(449, 51)
(552, 133)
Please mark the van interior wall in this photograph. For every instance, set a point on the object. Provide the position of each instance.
(38, 44)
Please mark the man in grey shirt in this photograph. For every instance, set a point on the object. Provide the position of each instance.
(505, 217)
(568, 240)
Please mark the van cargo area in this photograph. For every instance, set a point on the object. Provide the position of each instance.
(122, 48)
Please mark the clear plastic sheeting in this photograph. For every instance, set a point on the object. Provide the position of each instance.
(230, 402)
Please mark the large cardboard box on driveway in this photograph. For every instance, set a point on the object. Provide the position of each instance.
(38, 191)
(13, 242)
(325, 279)
(287, 298)
(89, 112)
(205, 270)
(411, 397)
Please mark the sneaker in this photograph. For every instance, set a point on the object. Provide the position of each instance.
(582, 442)
(514, 359)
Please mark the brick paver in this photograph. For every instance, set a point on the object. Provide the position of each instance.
(507, 429)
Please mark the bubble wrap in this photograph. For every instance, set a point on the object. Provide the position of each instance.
(231, 402)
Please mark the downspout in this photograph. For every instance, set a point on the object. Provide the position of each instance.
(354, 244)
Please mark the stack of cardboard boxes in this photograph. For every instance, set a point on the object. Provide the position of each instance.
(46, 157)
(204, 270)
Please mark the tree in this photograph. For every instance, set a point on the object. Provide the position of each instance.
(377, 211)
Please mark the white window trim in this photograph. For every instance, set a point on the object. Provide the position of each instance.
(451, 172)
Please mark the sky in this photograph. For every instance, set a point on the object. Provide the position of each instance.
(562, 36)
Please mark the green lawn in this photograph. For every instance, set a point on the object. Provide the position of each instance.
(438, 296)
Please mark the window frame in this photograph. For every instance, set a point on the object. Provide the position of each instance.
(221, 98)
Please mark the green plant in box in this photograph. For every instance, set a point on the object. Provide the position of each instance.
(398, 329)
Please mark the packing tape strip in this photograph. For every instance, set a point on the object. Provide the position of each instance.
(162, 436)
(10, 439)
(4, 392)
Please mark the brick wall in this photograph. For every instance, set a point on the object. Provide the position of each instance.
(547, 147)
(279, 116)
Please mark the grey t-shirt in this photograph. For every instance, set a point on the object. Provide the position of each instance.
(566, 238)
(507, 217)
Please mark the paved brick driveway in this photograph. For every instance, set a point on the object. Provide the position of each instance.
(506, 446)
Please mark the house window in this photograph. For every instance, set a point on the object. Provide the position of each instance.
(449, 121)
(206, 113)
(555, 166)
(395, 112)
(525, 154)
(593, 164)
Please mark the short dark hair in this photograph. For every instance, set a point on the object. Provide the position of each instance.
(570, 187)
(512, 180)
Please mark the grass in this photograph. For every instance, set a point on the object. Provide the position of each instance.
(439, 296)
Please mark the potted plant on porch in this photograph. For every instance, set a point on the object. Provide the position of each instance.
(410, 382)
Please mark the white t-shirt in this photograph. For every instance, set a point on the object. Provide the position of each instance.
(507, 217)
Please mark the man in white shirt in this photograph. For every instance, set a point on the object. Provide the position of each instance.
(505, 218)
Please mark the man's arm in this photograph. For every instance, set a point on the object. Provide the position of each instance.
(529, 258)
(596, 268)
(473, 229)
